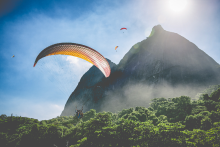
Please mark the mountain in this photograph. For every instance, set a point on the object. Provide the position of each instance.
(163, 65)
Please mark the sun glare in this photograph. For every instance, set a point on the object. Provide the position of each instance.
(177, 5)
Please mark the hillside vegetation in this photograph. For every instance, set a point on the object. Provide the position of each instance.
(168, 122)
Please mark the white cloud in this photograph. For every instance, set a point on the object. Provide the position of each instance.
(78, 65)
(73, 60)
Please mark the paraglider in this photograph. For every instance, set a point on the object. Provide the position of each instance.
(77, 50)
(123, 29)
(13, 56)
(116, 48)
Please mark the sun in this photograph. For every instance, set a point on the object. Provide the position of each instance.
(177, 5)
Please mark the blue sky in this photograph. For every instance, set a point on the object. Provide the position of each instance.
(27, 27)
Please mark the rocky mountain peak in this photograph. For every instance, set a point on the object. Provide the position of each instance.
(164, 57)
(156, 30)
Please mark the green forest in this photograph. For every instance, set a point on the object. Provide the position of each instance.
(168, 122)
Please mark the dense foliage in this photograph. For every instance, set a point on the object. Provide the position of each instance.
(168, 122)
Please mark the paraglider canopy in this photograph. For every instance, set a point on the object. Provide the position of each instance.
(77, 50)
(123, 29)
(116, 48)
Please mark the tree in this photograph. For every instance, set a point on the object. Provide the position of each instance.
(190, 122)
(153, 118)
(215, 96)
(125, 111)
(156, 102)
(198, 109)
(162, 119)
(89, 114)
(206, 123)
(215, 116)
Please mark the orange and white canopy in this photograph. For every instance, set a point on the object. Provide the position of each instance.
(77, 50)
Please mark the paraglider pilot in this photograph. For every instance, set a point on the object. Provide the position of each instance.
(79, 113)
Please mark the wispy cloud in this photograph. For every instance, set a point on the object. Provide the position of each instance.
(79, 66)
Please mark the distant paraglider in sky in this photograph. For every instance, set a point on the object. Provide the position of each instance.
(77, 50)
(123, 29)
(13, 56)
(116, 48)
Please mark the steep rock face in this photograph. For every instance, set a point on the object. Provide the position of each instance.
(170, 57)
(154, 67)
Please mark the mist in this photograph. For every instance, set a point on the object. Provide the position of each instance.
(133, 95)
